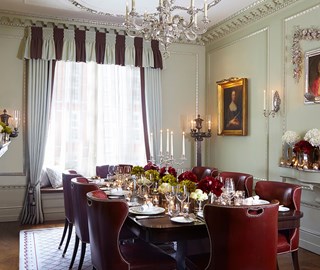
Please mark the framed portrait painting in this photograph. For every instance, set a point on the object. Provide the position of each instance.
(312, 82)
(233, 107)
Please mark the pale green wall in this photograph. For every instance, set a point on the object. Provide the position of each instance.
(261, 52)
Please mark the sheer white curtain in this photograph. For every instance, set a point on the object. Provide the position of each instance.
(96, 117)
(154, 107)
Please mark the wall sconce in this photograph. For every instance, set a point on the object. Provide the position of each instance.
(14, 122)
(275, 104)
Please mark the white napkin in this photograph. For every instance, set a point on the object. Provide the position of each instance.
(250, 200)
(116, 191)
(146, 207)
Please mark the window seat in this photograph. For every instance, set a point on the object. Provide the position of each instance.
(52, 203)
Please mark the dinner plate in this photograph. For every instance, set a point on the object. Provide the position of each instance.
(182, 219)
(132, 204)
(149, 211)
(117, 193)
(258, 202)
(283, 208)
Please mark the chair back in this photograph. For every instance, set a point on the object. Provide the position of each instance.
(242, 237)
(102, 171)
(202, 172)
(242, 181)
(287, 194)
(106, 218)
(66, 183)
(80, 186)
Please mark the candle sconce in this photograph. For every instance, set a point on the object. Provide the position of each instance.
(198, 135)
(276, 101)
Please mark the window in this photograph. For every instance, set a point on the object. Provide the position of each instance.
(96, 117)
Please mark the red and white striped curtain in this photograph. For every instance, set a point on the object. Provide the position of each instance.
(84, 46)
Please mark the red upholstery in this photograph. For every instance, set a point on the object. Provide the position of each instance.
(288, 195)
(241, 237)
(102, 171)
(80, 186)
(106, 218)
(66, 180)
(202, 172)
(242, 181)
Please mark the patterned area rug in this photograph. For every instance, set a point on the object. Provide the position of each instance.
(39, 251)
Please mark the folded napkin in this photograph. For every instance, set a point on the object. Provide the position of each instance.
(116, 191)
(250, 200)
(146, 207)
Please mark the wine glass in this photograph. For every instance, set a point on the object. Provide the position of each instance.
(149, 183)
(229, 189)
(181, 194)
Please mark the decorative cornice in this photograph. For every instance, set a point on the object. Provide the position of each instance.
(250, 14)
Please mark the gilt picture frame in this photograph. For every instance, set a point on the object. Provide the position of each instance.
(312, 77)
(233, 107)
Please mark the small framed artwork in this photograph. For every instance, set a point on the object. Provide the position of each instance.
(233, 107)
(312, 81)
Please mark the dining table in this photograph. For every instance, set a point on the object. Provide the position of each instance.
(189, 237)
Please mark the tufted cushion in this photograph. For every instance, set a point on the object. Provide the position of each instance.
(44, 179)
(55, 177)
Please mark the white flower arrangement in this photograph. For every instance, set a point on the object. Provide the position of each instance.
(164, 187)
(199, 195)
(290, 137)
(313, 137)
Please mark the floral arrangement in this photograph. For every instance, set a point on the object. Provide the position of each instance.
(188, 175)
(4, 128)
(164, 187)
(211, 184)
(303, 146)
(199, 195)
(137, 170)
(313, 137)
(171, 171)
(170, 179)
(191, 186)
(153, 173)
(151, 166)
(290, 137)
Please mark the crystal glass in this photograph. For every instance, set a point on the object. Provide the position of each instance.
(181, 194)
(173, 208)
(229, 190)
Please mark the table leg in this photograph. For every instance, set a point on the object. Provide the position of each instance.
(181, 254)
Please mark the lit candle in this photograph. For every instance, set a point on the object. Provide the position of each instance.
(171, 143)
(209, 124)
(161, 142)
(133, 4)
(192, 3)
(160, 3)
(264, 100)
(196, 20)
(183, 144)
(205, 9)
(167, 141)
(272, 95)
(192, 127)
(151, 145)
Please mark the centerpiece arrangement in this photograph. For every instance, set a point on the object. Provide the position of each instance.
(302, 154)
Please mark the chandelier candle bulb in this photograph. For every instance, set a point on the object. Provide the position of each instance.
(196, 20)
(205, 9)
(209, 124)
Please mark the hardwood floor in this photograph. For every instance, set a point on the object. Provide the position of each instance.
(9, 248)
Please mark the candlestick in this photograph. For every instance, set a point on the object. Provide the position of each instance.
(161, 142)
(264, 100)
(171, 143)
(168, 141)
(183, 145)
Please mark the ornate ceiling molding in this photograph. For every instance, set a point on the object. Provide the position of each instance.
(250, 14)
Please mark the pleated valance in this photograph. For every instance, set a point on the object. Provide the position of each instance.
(85, 46)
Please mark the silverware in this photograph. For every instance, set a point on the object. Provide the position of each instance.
(150, 217)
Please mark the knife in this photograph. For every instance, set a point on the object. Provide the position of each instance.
(146, 217)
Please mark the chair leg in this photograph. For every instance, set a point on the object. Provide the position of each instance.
(68, 239)
(75, 250)
(295, 260)
(64, 232)
(277, 265)
(83, 252)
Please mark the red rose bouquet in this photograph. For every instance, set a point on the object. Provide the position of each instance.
(211, 184)
(303, 146)
(188, 175)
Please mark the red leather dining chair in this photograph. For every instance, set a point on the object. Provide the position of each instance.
(288, 195)
(106, 218)
(80, 186)
(241, 237)
(68, 223)
(102, 171)
(242, 181)
(202, 172)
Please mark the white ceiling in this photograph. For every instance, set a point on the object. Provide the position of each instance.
(64, 9)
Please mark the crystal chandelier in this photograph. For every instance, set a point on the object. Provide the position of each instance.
(166, 25)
